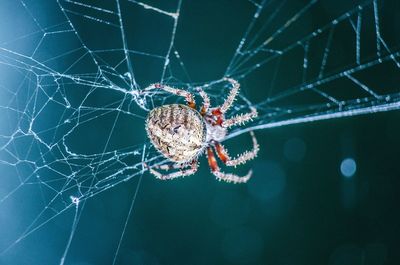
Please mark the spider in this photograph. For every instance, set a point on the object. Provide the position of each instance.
(181, 134)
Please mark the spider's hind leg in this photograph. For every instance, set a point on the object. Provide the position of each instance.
(240, 159)
(181, 173)
(215, 170)
(168, 166)
(228, 177)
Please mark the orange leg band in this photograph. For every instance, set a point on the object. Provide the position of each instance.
(220, 152)
(211, 159)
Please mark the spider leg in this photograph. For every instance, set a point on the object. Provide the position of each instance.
(168, 166)
(220, 111)
(181, 173)
(222, 152)
(206, 100)
(215, 170)
(211, 160)
(232, 95)
(240, 159)
(240, 119)
(179, 92)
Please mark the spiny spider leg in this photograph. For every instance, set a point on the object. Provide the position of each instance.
(182, 173)
(179, 92)
(240, 159)
(232, 95)
(240, 119)
(211, 160)
(228, 177)
(222, 153)
(168, 166)
(215, 170)
(206, 100)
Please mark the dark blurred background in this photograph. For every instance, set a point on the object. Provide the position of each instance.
(321, 193)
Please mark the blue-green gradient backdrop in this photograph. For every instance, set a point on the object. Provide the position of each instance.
(298, 208)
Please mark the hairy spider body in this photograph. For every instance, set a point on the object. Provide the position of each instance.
(176, 131)
(181, 134)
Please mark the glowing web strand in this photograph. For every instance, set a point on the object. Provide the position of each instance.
(75, 201)
(363, 86)
(91, 7)
(325, 116)
(92, 18)
(358, 34)
(241, 73)
(158, 10)
(245, 36)
(125, 46)
(123, 175)
(332, 77)
(130, 208)
(171, 43)
(377, 29)
(286, 25)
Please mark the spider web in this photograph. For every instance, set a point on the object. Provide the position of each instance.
(73, 73)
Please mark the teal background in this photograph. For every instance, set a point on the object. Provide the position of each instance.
(297, 209)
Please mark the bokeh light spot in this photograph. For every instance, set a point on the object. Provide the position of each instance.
(348, 167)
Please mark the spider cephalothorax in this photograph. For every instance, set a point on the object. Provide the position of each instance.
(182, 134)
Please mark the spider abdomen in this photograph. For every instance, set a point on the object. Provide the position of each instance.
(176, 131)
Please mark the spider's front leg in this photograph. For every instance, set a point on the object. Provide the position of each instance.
(220, 111)
(181, 173)
(215, 170)
(232, 95)
(240, 119)
(206, 100)
(240, 159)
(179, 92)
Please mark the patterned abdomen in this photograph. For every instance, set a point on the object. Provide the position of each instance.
(177, 131)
